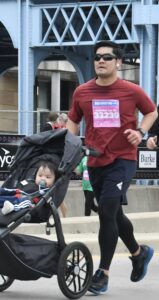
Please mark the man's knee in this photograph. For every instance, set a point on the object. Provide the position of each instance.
(108, 207)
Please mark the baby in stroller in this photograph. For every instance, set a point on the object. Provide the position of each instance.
(28, 191)
(27, 257)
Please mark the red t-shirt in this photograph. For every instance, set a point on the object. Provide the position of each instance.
(108, 111)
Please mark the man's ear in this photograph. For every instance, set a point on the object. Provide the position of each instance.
(119, 63)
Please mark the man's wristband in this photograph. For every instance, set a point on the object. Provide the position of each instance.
(142, 131)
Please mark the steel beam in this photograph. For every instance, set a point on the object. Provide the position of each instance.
(71, 29)
(84, 23)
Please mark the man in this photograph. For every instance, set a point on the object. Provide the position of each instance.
(108, 105)
(63, 120)
(52, 122)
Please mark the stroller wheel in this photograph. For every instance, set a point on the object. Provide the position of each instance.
(5, 282)
(75, 269)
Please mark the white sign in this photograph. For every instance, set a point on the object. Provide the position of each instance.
(147, 159)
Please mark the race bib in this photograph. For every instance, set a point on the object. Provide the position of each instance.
(106, 113)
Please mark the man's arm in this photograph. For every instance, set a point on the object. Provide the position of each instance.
(72, 127)
(148, 120)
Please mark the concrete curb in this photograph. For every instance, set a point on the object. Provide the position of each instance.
(85, 229)
(143, 223)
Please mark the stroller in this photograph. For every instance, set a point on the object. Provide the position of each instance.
(26, 257)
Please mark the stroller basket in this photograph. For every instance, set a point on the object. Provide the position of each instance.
(27, 257)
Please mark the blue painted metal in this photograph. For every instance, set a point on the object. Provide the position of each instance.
(71, 29)
(8, 16)
(148, 40)
(84, 23)
(146, 14)
(26, 71)
(157, 77)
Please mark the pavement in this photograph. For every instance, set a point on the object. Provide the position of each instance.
(120, 286)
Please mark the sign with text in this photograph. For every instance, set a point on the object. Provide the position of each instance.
(147, 163)
(147, 159)
(8, 148)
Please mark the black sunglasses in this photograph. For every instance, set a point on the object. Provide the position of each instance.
(105, 57)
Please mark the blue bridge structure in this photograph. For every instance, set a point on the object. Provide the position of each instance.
(32, 31)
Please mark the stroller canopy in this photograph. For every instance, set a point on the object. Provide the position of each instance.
(58, 142)
(59, 146)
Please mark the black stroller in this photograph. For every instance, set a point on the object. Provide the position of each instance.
(26, 257)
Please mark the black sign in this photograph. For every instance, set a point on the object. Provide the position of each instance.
(8, 148)
(147, 164)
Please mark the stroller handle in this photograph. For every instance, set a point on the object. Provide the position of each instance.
(90, 152)
(83, 151)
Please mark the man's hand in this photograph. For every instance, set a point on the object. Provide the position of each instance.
(134, 137)
(152, 142)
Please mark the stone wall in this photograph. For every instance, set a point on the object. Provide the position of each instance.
(8, 101)
(140, 199)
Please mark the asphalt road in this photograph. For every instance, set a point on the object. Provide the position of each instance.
(120, 287)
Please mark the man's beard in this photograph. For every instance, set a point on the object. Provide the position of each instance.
(103, 75)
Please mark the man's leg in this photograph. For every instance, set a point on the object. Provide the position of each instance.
(108, 237)
(141, 255)
(110, 185)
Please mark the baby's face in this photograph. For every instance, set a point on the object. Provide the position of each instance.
(44, 174)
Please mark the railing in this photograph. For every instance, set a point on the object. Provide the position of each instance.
(9, 120)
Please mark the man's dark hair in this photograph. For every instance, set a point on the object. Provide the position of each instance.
(53, 116)
(117, 51)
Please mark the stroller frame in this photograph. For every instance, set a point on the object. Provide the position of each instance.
(73, 263)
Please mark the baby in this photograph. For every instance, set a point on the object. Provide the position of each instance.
(28, 191)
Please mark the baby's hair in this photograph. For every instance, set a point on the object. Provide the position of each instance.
(50, 165)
